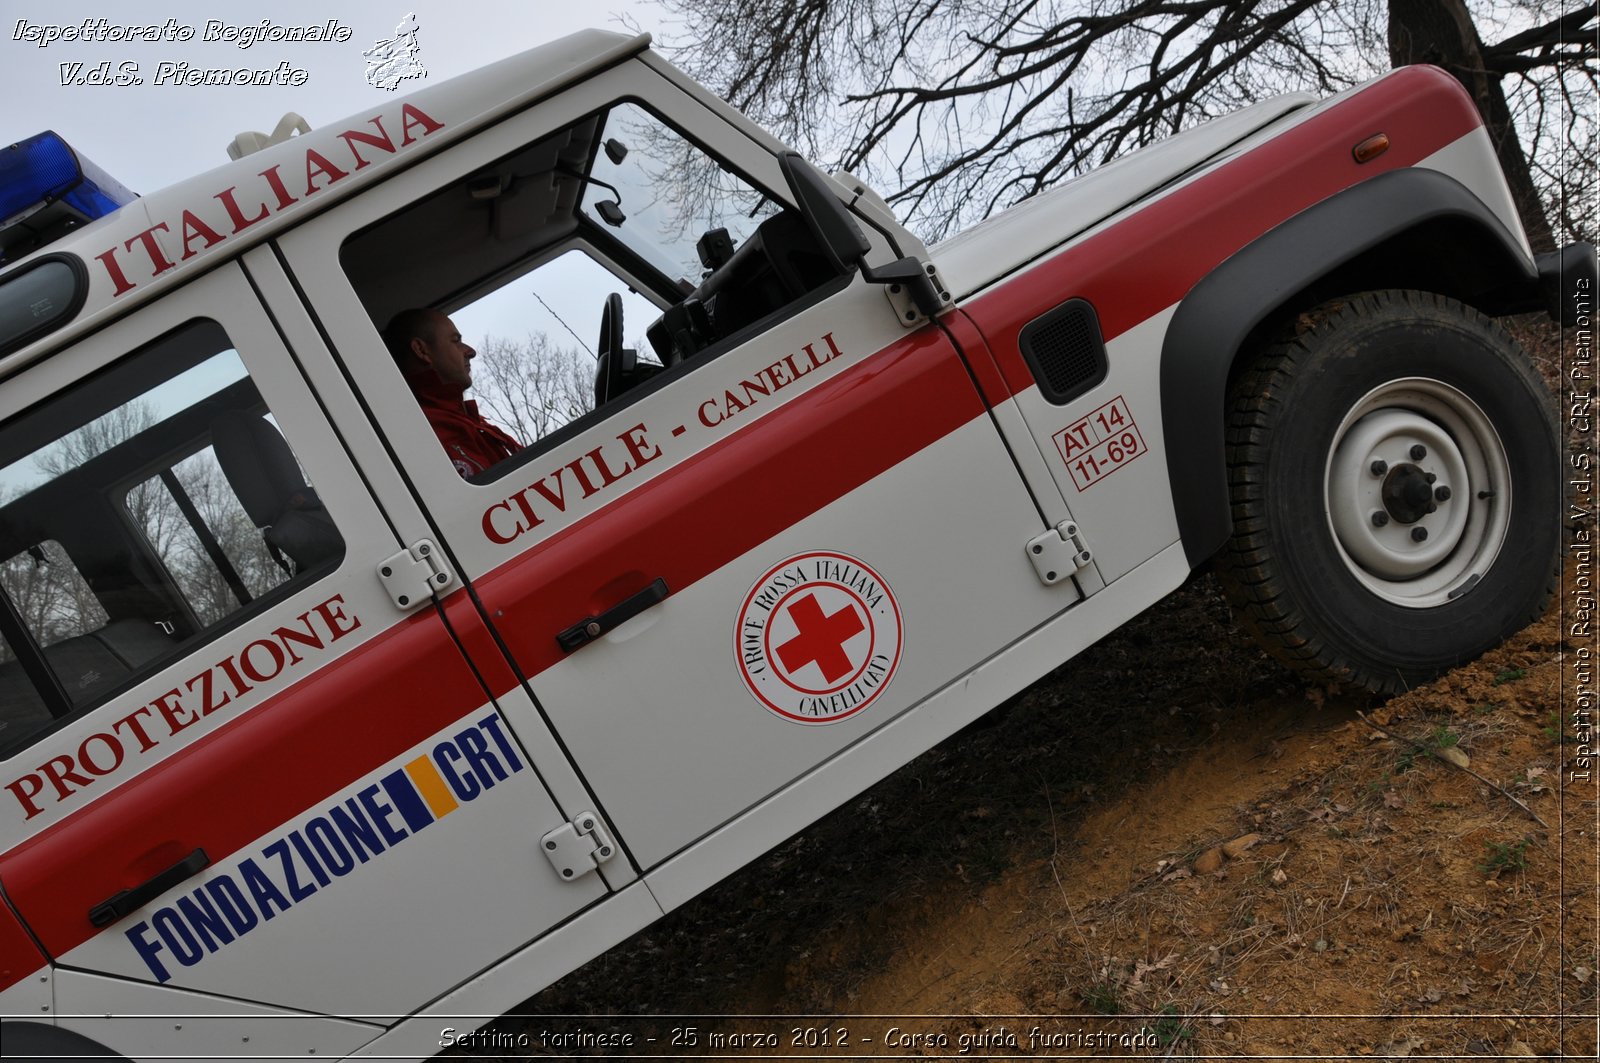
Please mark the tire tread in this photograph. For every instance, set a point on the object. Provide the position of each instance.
(1248, 566)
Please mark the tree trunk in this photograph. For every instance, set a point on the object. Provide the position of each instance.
(1442, 32)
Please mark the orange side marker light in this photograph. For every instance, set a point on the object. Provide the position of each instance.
(1371, 148)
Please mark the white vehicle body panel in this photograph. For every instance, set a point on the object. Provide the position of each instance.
(995, 248)
(148, 1022)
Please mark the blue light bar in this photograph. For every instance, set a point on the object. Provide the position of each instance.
(43, 171)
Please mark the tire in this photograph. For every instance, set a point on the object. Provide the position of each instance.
(33, 1040)
(1333, 436)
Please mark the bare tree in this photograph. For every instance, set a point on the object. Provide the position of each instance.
(149, 503)
(535, 387)
(961, 107)
(1551, 69)
(51, 596)
(200, 578)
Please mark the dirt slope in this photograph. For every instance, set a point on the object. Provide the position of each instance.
(1166, 847)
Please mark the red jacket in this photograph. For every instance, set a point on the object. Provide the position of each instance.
(472, 443)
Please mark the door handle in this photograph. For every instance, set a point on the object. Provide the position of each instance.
(590, 628)
(109, 911)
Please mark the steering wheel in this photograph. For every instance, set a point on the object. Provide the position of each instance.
(611, 326)
(608, 368)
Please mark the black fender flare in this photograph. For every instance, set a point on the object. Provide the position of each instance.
(1328, 249)
(41, 1039)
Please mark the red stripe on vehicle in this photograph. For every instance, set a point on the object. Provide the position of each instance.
(19, 956)
(479, 644)
(733, 496)
(980, 359)
(1147, 262)
(244, 779)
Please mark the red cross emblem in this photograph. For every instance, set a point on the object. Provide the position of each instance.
(821, 638)
(818, 637)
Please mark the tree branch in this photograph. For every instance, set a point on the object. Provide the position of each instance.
(1419, 747)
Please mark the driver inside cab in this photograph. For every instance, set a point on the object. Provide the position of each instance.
(428, 349)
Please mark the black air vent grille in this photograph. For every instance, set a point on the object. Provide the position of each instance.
(1065, 351)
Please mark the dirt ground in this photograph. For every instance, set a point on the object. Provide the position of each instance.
(1170, 846)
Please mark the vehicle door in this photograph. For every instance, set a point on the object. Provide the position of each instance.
(231, 762)
(796, 527)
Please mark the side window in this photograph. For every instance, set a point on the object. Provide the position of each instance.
(44, 583)
(212, 549)
(142, 511)
(542, 379)
(584, 270)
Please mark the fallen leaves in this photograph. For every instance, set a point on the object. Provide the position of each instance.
(1211, 860)
(1240, 845)
(1400, 1047)
(1141, 970)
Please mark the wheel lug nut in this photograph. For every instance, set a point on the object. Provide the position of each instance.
(1379, 467)
(1432, 508)
(1429, 477)
(1419, 534)
(1379, 519)
(1418, 452)
(1442, 493)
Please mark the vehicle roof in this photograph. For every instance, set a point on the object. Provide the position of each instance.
(193, 225)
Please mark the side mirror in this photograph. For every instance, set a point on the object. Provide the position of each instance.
(839, 237)
(844, 244)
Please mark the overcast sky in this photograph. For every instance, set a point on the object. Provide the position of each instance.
(149, 136)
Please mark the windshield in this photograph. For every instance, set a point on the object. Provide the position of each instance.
(659, 193)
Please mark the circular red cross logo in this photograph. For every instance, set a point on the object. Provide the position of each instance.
(818, 637)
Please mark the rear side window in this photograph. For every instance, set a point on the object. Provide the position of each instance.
(217, 557)
(47, 586)
(143, 511)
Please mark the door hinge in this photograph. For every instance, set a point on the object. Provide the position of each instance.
(577, 848)
(1059, 553)
(904, 301)
(413, 575)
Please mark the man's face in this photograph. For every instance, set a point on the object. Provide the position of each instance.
(447, 355)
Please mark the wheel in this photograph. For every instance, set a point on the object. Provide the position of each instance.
(1395, 479)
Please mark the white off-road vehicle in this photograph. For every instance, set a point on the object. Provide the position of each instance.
(311, 740)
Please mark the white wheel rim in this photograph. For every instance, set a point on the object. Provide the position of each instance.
(1405, 540)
